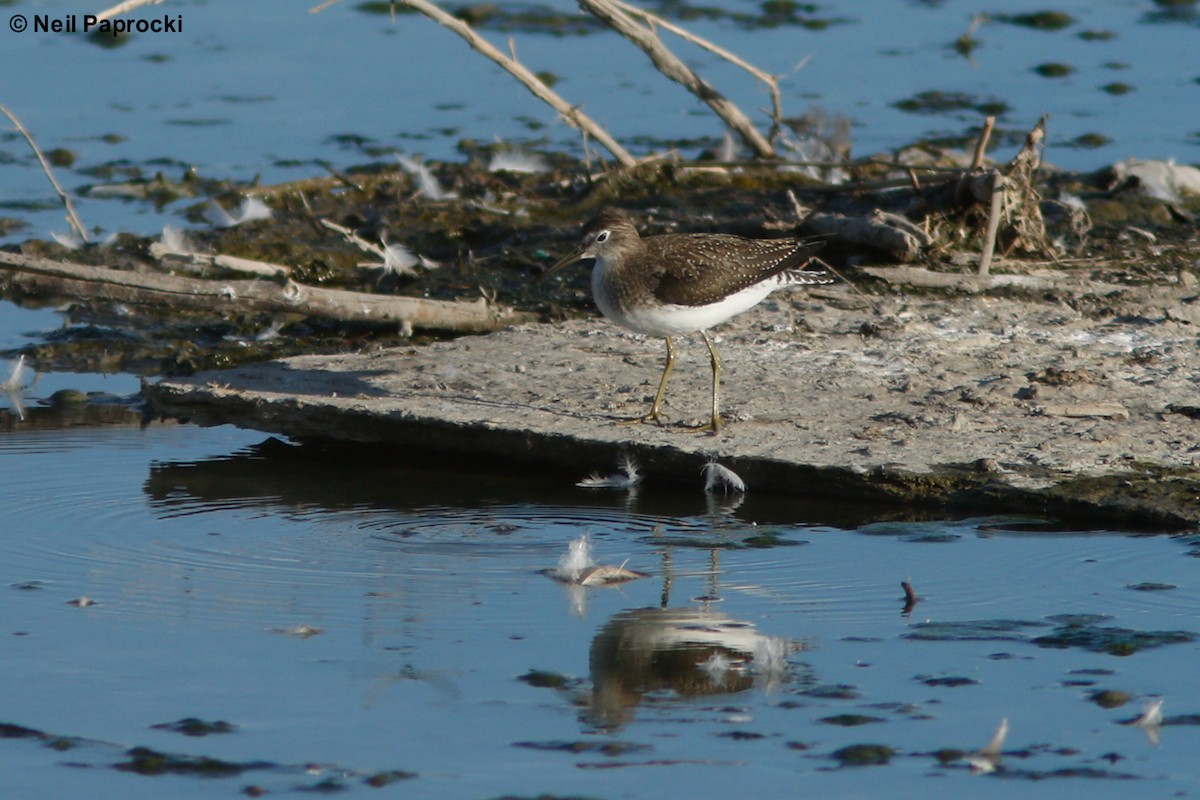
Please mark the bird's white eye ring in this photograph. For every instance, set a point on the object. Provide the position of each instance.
(601, 237)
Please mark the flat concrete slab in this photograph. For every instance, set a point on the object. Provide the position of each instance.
(974, 401)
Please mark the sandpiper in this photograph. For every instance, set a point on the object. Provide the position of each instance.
(685, 283)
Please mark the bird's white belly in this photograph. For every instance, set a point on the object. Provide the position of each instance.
(670, 320)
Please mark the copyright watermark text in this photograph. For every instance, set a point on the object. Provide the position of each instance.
(90, 23)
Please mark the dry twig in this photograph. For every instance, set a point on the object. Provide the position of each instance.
(672, 66)
(121, 8)
(769, 80)
(981, 146)
(46, 277)
(72, 218)
(574, 117)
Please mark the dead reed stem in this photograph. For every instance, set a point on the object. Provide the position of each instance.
(769, 80)
(72, 217)
(121, 8)
(574, 117)
(670, 65)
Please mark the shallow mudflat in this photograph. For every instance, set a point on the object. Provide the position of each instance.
(947, 401)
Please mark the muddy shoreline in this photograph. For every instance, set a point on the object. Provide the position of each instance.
(965, 401)
(1061, 382)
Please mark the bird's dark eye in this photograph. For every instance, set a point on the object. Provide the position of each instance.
(601, 237)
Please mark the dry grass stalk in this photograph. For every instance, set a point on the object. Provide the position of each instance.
(669, 64)
(997, 184)
(574, 117)
(769, 80)
(121, 8)
(981, 146)
(1028, 229)
(72, 217)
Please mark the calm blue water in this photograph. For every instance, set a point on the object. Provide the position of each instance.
(207, 556)
(265, 88)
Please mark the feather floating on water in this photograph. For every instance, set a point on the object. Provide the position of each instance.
(628, 477)
(578, 567)
(717, 475)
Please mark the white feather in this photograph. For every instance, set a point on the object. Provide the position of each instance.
(16, 378)
(398, 259)
(513, 160)
(71, 241)
(628, 478)
(986, 760)
(577, 558)
(1152, 716)
(174, 240)
(716, 475)
(728, 150)
(430, 188)
(252, 208)
(15, 384)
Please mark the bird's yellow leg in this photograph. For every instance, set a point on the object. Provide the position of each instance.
(715, 425)
(655, 414)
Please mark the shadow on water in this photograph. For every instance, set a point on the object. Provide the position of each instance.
(349, 475)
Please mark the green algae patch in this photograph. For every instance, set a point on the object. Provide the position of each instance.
(939, 102)
(1113, 641)
(864, 755)
(1038, 20)
(381, 779)
(611, 748)
(145, 761)
(191, 726)
(833, 691)
(1153, 493)
(850, 720)
(542, 679)
(1110, 698)
(985, 630)
(1053, 69)
(1073, 630)
(951, 681)
(10, 731)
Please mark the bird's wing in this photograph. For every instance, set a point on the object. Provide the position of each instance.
(698, 270)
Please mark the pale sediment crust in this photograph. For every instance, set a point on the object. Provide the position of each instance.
(960, 402)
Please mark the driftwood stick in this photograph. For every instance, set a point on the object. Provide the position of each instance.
(1043, 280)
(769, 80)
(981, 146)
(879, 230)
(574, 117)
(673, 67)
(121, 8)
(72, 218)
(42, 276)
(995, 208)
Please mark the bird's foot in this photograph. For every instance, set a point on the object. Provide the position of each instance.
(712, 427)
(653, 416)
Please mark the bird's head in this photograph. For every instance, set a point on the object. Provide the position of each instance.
(605, 237)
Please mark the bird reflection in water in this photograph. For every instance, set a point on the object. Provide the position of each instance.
(692, 652)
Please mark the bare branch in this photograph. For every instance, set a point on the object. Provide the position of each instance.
(673, 67)
(981, 146)
(771, 81)
(121, 8)
(72, 218)
(42, 276)
(574, 117)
